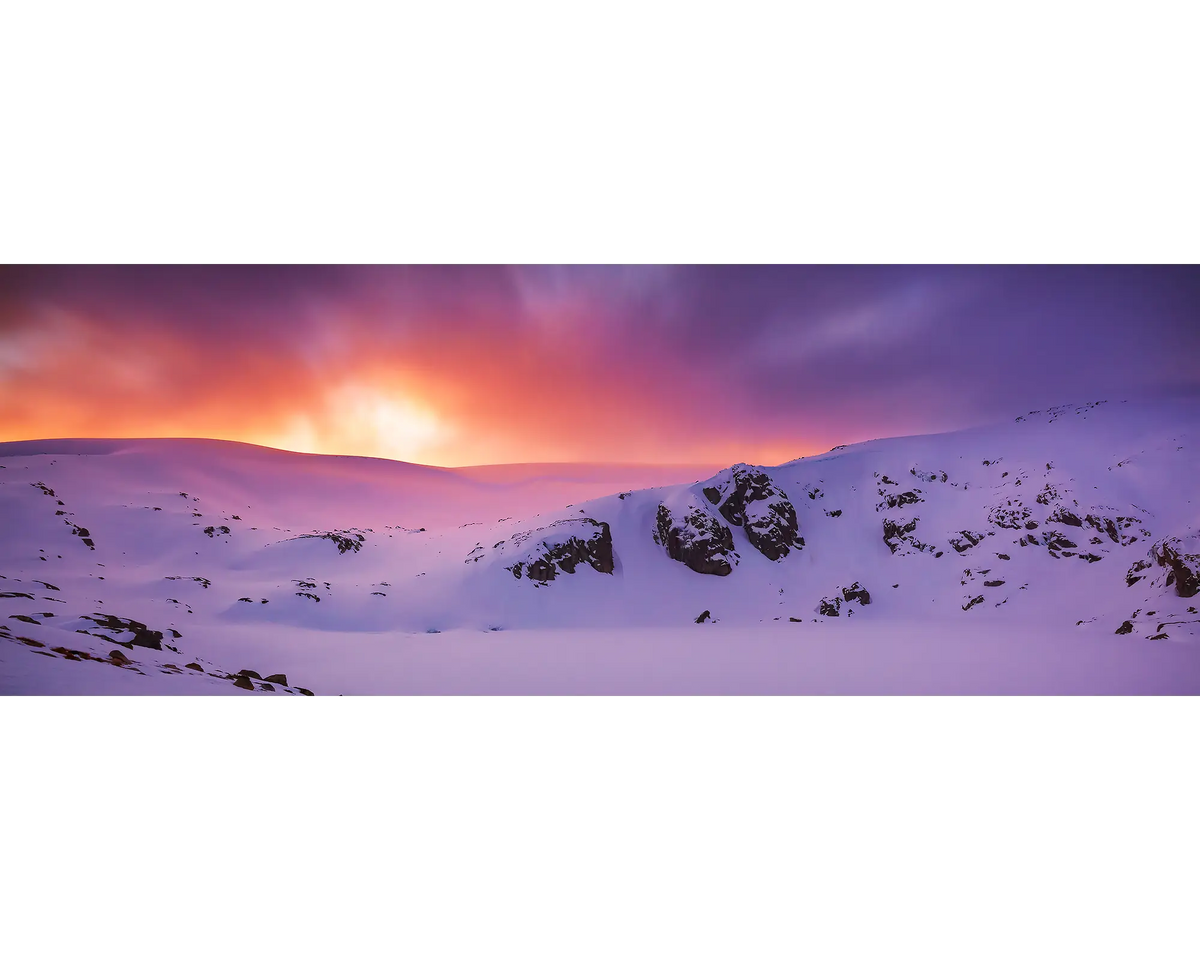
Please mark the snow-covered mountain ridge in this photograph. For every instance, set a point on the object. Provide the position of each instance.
(179, 565)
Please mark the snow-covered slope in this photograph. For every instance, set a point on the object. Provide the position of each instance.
(1072, 532)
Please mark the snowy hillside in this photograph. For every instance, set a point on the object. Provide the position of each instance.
(1058, 552)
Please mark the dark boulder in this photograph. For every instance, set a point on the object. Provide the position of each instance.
(747, 497)
(695, 538)
(563, 546)
(856, 593)
(1183, 568)
(965, 540)
(1054, 540)
(894, 532)
(1064, 516)
(278, 678)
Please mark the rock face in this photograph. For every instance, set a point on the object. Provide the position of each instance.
(1183, 568)
(563, 546)
(747, 497)
(898, 536)
(965, 540)
(830, 608)
(695, 537)
(1010, 515)
(1054, 540)
(856, 593)
(1064, 516)
(346, 541)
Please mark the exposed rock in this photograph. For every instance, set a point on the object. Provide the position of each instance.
(993, 583)
(696, 538)
(856, 593)
(965, 540)
(151, 639)
(306, 692)
(972, 602)
(278, 678)
(1048, 495)
(116, 656)
(1056, 541)
(1010, 515)
(266, 686)
(563, 546)
(704, 616)
(830, 608)
(747, 497)
(897, 536)
(1183, 568)
(193, 666)
(249, 673)
(143, 636)
(1105, 525)
(244, 683)
(1064, 516)
(892, 501)
(347, 541)
(1125, 627)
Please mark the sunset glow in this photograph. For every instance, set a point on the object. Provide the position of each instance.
(456, 366)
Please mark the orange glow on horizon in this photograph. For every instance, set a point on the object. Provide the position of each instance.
(460, 396)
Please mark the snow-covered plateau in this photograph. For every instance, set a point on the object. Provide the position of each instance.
(1057, 553)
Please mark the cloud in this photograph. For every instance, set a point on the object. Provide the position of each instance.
(457, 365)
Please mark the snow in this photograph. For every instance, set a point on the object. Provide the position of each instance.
(425, 603)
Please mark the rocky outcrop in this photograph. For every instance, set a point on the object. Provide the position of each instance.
(892, 501)
(965, 540)
(346, 541)
(856, 593)
(1183, 568)
(899, 539)
(1010, 515)
(1064, 516)
(563, 546)
(830, 608)
(1136, 572)
(693, 536)
(1114, 527)
(1054, 540)
(143, 636)
(747, 497)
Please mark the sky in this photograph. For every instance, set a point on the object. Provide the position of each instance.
(634, 364)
